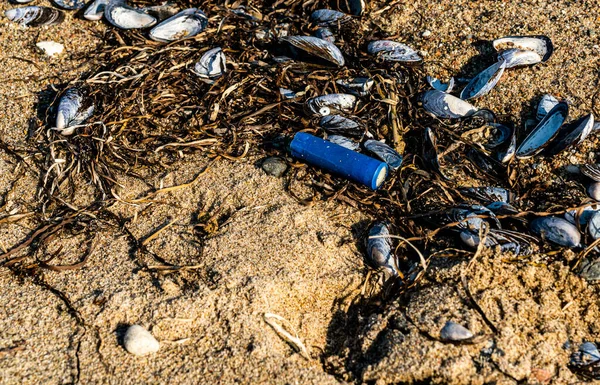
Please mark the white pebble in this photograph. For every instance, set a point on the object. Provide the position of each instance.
(426, 33)
(50, 48)
(139, 341)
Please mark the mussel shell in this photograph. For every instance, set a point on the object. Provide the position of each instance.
(344, 142)
(593, 191)
(484, 81)
(464, 217)
(436, 84)
(592, 171)
(446, 106)
(337, 124)
(393, 51)
(356, 86)
(582, 215)
(327, 104)
(453, 332)
(74, 108)
(315, 47)
(325, 34)
(186, 23)
(544, 132)
(557, 230)
(594, 225)
(486, 164)
(487, 195)
(430, 154)
(353, 7)
(287, 94)
(385, 153)
(212, 64)
(515, 57)
(328, 17)
(95, 11)
(70, 4)
(586, 356)
(570, 133)
(379, 250)
(542, 45)
(123, 16)
(546, 104)
(35, 16)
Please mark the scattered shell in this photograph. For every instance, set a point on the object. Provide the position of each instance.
(393, 51)
(356, 86)
(509, 241)
(96, 10)
(274, 166)
(212, 64)
(574, 132)
(74, 108)
(325, 34)
(337, 124)
(70, 4)
(50, 48)
(123, 16)
(544, 132)
(592, 171)
(328, 17)
(453, 332)
(385, 153)
(379, 249)
(315, 47)
(186, 23)
(484, 81)
(593, 191)
(138, 341)
(344, 142)
(594, 225)
(542, 45)
(515, 57)
(287, 94)
(35, 16)
(583, 215)
(585, 360)
(547, 103)
(487, 195)
(436, 84)
(328, 104)
(557, 230)
(446, 106)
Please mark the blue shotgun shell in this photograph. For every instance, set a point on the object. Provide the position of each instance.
(339, 160)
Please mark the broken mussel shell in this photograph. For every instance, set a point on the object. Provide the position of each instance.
(557, 230)
(385, 153)
(464, 217)
(436, 84)
(571, 133)
(95, 11)
(515, 57)
(430, 154)
(344, 142)
(186, 23)
(586, 361)
(337, 124)
(70, 4)
(74, 108)
(453, 332)
(542, 45)
(328, 17)
(487, 195)
(356, 86)
(327, 104)
(509, 241)
(35, 16)
(546, 104)
(446, 106)
(325, 34)
(581, 215)
(484, 81)
(212, 64)
(544, 132)
(121, 15)
(594, 225)
(379, 250)
(312, 47)
(393, 51)
(591, 171)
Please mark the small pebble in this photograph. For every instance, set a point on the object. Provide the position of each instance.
(455, 332)
(50, 48)
(274, 166)
(138, 341)
(426, 34)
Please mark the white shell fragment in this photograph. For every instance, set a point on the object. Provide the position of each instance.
(186, 23)
(73, 109)
(453, 332)
(328, 104)
(544, 132)
(393, 51)
(379, 250)
(446, 106)
(547, 103)
(436, 84)
(95, 11)
(50, 48)
(35, 16)
(138, 341)
(315, 47)
(515, 57)
(484, 81)
(123, 16)
(356, 86)
(212, 64)
(541, 45)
